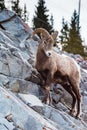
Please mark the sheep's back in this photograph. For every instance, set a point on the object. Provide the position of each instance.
(66, 65)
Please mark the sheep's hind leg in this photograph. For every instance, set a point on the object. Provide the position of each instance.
(76, 90)
(70, 91)
(78, 96)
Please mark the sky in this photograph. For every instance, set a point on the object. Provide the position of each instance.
(59, 9)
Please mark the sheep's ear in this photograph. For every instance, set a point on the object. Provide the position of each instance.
(54, 35)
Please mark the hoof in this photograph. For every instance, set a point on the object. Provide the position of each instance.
(78, 117)
(72, 112)
(47, 101)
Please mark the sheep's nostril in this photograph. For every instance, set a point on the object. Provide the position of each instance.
(49, 53)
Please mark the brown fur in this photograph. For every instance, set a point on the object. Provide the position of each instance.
(56, 68)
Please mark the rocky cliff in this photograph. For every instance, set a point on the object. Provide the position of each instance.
(21, 107)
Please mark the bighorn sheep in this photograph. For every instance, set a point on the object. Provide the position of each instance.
(56, 68)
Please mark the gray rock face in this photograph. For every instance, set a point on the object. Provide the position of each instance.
(21, 87)
(22, 115)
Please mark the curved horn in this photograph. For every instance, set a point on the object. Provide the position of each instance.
(44, 33)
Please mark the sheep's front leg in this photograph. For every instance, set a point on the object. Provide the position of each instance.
(48, 96)
(48, 99)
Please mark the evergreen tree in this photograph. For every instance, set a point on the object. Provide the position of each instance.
(74, 41)
(64, 32)
(41, 18)
(16, 7)
(52, 21)
(2, 4)
(25, 16)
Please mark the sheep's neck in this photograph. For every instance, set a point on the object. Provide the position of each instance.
(41, 58)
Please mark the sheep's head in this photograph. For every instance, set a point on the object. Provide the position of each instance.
(46, 40)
